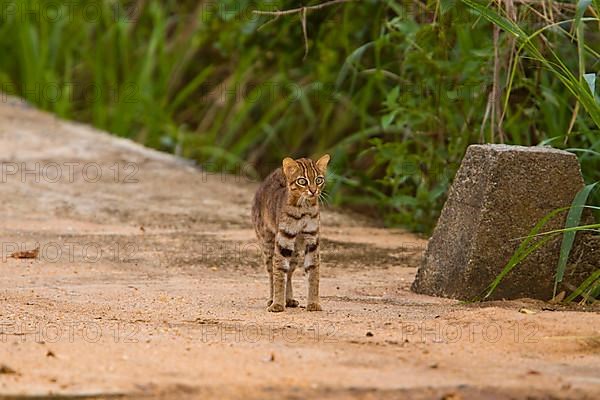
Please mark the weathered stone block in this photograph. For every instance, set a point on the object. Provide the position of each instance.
(499, 193)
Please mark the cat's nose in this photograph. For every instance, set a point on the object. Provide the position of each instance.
(312, 193)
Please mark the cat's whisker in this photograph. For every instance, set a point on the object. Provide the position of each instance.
(324, 200)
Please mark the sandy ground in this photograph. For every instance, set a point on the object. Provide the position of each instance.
(148, 283)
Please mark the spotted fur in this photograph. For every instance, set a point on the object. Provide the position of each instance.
(285, 215)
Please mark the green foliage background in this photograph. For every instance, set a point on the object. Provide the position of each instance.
(394, 90)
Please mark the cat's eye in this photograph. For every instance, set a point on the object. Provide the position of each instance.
(302, 181)
(319, 180)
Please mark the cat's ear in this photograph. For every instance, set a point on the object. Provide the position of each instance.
(289, 166)
(322, 163)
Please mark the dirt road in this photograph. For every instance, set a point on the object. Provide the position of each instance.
(148, 284)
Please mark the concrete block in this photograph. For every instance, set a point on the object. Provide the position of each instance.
(499, 193)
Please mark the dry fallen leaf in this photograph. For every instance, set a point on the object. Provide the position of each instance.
(526, 311)
(26, 254)
(451, 396)
(5, 369)
(558, 298)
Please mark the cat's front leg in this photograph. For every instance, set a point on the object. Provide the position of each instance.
(294, 262)
(312, 261)
(279, 273)
(284, 249)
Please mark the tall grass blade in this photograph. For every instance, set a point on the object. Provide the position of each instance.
(590, 227)
(573, 220)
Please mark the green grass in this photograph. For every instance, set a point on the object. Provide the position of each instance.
(394, 91)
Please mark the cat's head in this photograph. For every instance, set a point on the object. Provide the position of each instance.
(305, 179)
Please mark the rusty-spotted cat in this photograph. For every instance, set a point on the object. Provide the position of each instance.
(285, 214)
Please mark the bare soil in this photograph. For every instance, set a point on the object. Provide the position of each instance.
(148, 283)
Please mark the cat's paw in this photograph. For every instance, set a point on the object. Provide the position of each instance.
(269, 302)
(275, 308)
(292, 303)
(314, 307)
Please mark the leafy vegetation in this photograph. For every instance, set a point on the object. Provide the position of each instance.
(395, 90)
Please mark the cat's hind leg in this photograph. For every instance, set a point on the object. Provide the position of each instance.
(268, 249)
